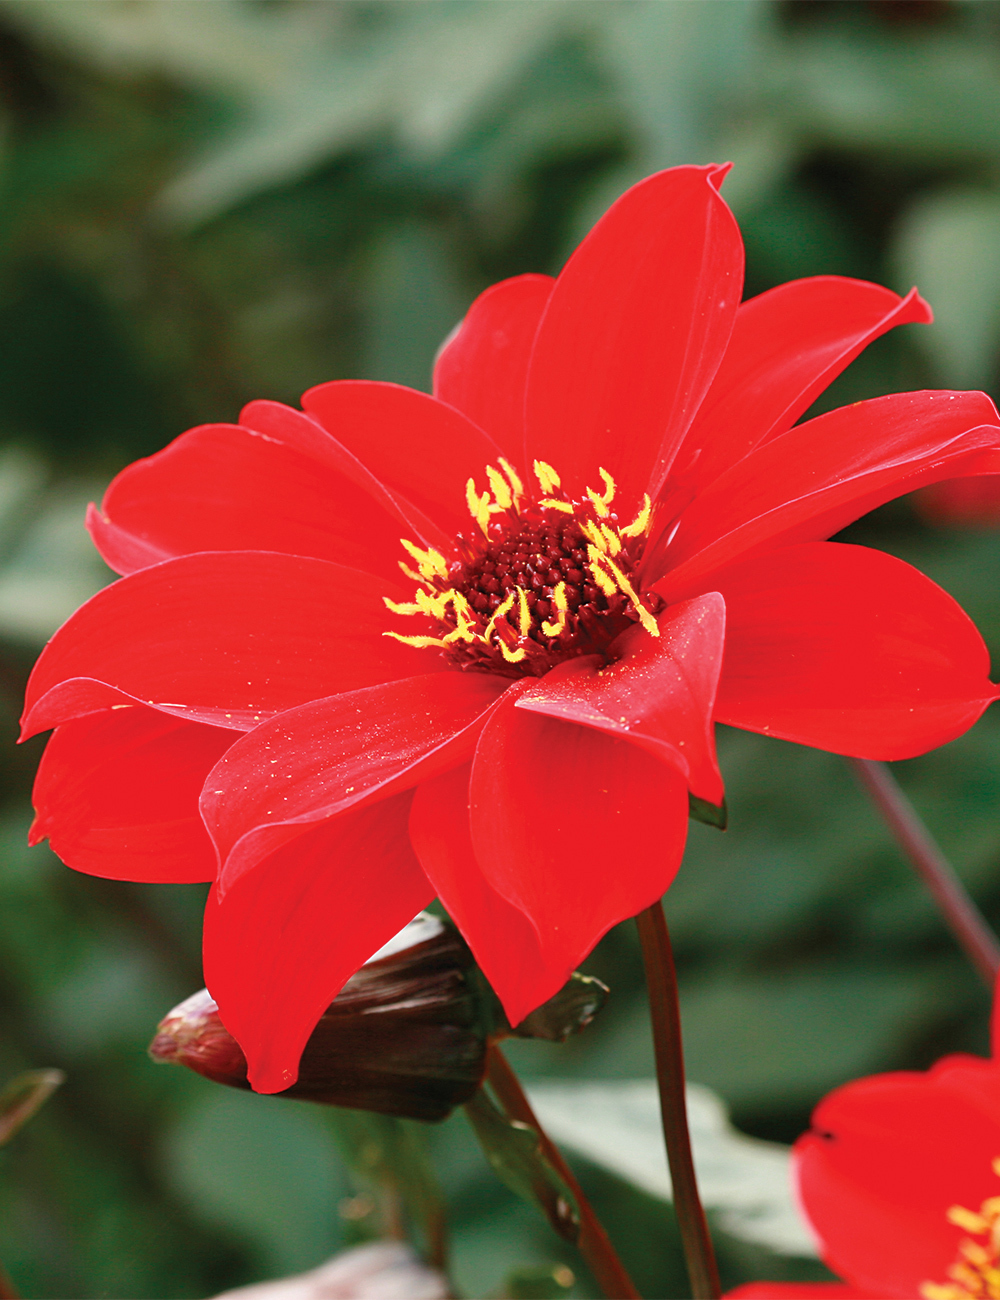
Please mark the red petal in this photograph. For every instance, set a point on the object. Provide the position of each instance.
(483, 368)
(815, 479)
(902, 1150)
(226, 488)
(414, 444)
(659, 693)
(848, 649)
(577, 829)
(501, 937)
(282, 943)
(226, 638)
(634, 332)
(311, 763)
(787, 345)
(117, 795)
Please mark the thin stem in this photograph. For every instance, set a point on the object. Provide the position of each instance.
(661, 980)
(967, 923)
(595, 1245)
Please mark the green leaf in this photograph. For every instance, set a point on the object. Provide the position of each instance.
(745, 1181)
(515, 1152)
(949, 245)
(23, 1096)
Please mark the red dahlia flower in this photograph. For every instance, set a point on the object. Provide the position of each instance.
(605, 492)
(900, 1179)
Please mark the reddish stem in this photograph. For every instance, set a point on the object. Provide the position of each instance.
(664, 1008)
(964, 918)
(594, 1244)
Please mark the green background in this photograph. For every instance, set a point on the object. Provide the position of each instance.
(207, 201)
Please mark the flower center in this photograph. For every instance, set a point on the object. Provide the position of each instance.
(542, 579)
(975, 1275)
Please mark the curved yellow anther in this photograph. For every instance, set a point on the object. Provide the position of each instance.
(548, 480)
(601, 500)
(513, 656)
(501, 611)
(640, 524)
(555, 627)
(551, 503)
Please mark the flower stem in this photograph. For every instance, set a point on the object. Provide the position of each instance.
(661, 980)
(967, 923)
(595, 1245)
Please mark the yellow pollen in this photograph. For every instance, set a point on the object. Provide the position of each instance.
(552, 503)
(548, 480)
(975, 1274)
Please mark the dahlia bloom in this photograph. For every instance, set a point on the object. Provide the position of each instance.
(605, 493)
(900, 1179)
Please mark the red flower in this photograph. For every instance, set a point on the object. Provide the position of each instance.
(606, 488)
(900, 1178)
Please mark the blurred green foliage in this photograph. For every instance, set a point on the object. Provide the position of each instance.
(208, 201)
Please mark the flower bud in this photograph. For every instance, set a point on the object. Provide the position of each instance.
(406, 1035)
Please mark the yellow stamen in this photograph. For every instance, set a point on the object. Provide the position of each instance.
(601, 501)
(557, 626)
(479, 506)
(551, 503)
(420, 642)
(612, 539)
(431, 563)
(594, 535)
(548, 480)
(512, 656)
(967, 1219)
(501, 488)
(516, 486)
(466, 620)
(607, 575)
(500, 612)
(640, 524)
